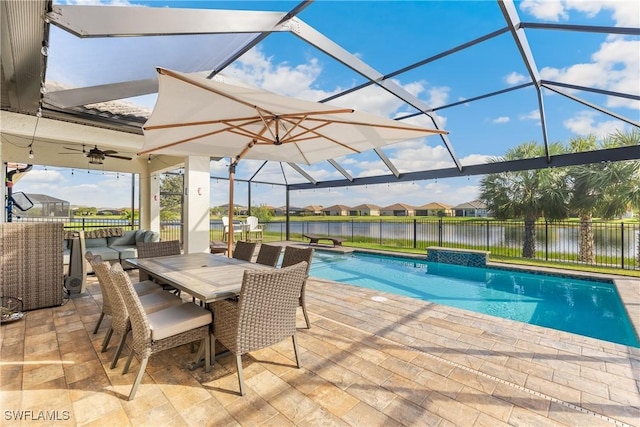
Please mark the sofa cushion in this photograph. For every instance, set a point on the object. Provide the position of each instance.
(140, 235)
(151, 236)
(126, 251)
(106, 253)
(95, 243)
(127, 238)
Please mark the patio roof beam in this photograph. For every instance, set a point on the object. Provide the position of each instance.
(520, 38)
(561, 160)
(70, 98)
(468, 100)
(421, 63)
(226, 178)
(113, 21)
(546, 84)
(595, 107)
(302, 172)
(340, 169)
(387, 162)
(623, 31)
(257, 171)
(321, 42)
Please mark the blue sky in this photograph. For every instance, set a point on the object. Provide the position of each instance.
(387, 36)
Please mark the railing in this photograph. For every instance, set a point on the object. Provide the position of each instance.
(616, 245)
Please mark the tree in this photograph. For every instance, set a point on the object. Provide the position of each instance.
(599, 189)
(263, 213)
(529, 194)
(171, 187)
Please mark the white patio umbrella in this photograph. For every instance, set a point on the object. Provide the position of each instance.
(197, 116)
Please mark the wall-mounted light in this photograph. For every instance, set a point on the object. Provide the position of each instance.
(149, 159)
(31, 155)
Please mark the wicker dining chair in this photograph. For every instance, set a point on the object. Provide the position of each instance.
(292, 256)
(120, 323)
(154, 332)
(268, 255)
(142, 288)
(263, 315)
(157, 249)
(244, 250)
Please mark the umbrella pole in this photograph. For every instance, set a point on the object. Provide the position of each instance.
(230, 234)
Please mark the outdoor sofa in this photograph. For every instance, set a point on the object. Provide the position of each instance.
(112, 244)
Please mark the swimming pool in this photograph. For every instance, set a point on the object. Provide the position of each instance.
(584, 307)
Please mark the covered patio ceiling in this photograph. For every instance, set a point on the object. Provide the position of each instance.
(51, 99)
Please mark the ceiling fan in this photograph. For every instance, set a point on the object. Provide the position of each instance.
(96, 155)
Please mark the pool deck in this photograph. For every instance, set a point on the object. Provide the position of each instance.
(369, 359)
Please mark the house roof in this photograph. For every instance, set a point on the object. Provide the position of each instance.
(399, 206)
(367, 206)
(473, 204)
(435, 205)
(337, 208)
(43, 198)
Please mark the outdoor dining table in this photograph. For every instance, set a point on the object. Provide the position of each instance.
(205, 276)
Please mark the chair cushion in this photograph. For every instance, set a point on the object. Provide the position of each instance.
(128, 238)
(151, 236)
(146, 287)
(95, 243)
(155, 301)
(177, 319)
(106, 253)
(126, 251)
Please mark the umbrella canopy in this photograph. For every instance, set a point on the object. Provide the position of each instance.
(196, 116)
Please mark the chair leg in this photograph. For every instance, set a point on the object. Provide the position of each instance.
(119, 350)
(95, 330)
(306, 316)
(143, 367)
(107, 338)
(207, 352)
(295, 349)
(128, 364)
(240, 375)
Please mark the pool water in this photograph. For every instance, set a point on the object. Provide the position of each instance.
(584, 307)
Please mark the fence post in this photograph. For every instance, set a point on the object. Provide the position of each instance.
(415, 233)
(622, 248)
(546, 240)
(487, 223)
(380, 233)
(352, 223)
(440, 231)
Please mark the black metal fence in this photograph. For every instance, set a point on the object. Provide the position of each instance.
(616, 244)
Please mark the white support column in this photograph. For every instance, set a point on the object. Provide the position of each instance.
(196, 213)
(149, 202)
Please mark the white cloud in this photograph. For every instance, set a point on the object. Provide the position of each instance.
(625, 13)
(584, 123)
(549, 10)
(501, 119)
(532, 115)
(515, 78)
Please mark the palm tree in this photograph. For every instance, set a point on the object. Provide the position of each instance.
(603, 190)
(530, 194)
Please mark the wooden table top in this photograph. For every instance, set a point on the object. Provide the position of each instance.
(205, 276)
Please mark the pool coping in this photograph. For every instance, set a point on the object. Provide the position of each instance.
(628, 288)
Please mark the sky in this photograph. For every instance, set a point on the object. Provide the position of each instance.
(387, 35)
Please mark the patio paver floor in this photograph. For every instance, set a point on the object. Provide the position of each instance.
(364, 363)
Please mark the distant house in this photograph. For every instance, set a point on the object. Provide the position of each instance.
(45, 206)
(336, 210)
(398, 209)
(435, 209)
(282, 211)
(474, 208)
(365, 210)
(312, 210)
(237, 209)
(109, 211)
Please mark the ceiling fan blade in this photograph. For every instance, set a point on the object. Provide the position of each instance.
(74, 149)
(109, 152)
(118, 157)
